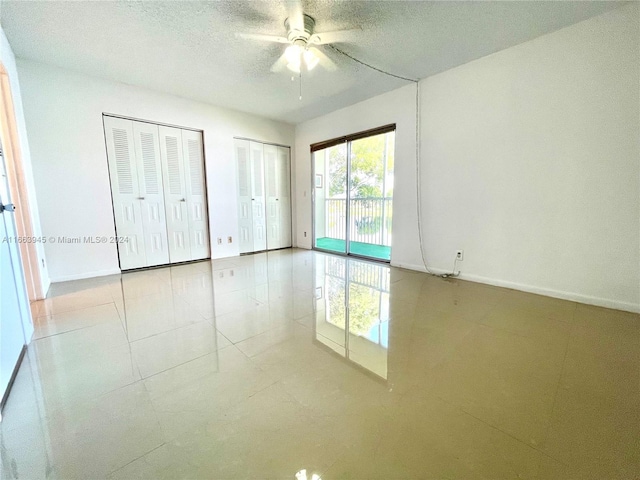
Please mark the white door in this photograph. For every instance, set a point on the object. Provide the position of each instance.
(258, 197)
(196, 194)
(245, 217)
(14, 310)
(283, 182)
(175, 194)
(147, 148)
(271, 175)
(125, 192)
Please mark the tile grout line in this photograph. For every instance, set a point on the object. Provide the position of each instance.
(79, 328)
(555, 395)
(169, 331)
(135, 459)
(289, 322)
(155, 411)
(534, 447)
(142, 378)
(73, 310)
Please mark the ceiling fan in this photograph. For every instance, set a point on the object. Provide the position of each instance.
(302, 52)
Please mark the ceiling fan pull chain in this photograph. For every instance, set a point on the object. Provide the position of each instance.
(300, 98)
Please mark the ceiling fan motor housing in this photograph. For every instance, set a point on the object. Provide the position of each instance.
(298, 37)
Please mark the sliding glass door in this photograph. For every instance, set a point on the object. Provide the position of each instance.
(330, 209)
(353, 200)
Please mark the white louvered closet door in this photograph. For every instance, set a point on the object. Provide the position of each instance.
(273, 202)
(245, 216)
(147, 148)
(196, 194)
(125, 192)
(283, 182)
(258, 197)
(175, 194)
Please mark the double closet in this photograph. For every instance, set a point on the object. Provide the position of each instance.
(264, 196)
(158, 192)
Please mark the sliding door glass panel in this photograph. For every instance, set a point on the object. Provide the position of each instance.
(371, 193)
(330, 185)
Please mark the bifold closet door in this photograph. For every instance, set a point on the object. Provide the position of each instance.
(125, 192)
(159, 193)
(175, 194)
(272, 199)
(264, 198)
(152, 211)
(196, 194)
(251, 196)
(258, 197)
(276, 160)
(283, 175)
(245, 208)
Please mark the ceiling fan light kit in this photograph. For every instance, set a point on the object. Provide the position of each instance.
(301, 53)
(310, 59)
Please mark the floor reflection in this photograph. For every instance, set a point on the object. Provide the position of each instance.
(297, 361)
(352, 310)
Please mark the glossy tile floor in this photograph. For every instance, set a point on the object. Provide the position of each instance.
(254, 367)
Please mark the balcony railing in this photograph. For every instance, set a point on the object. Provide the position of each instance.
(370, 219)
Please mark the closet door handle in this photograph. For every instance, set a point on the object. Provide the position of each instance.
(140, 198)
(182, 200)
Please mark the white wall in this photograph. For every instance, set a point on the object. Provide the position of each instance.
(8, 60)
(531, 164)
(64, 117)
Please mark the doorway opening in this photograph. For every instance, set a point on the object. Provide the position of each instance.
(353, 194)
(18, 190)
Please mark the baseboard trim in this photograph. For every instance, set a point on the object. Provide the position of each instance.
(12, 379)
(571, 296)
(82, 276)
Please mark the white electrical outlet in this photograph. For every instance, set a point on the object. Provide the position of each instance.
(460, 255)
(219, 241)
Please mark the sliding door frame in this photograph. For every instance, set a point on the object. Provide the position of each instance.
(347, 230)
(316, 147)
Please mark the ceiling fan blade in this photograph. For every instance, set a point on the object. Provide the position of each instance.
(280, 64)
(325, 61)
(335, 37)
(266, 38)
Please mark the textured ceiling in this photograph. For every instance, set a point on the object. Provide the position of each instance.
(189, 48)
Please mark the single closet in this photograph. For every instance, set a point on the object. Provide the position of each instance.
(158, 192)
(264, 196)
